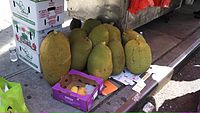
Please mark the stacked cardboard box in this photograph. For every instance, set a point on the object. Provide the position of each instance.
(32, 21)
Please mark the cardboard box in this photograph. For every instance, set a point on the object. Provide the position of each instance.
(28, 56)
(38, 15)
(29, 36)
(62, 92)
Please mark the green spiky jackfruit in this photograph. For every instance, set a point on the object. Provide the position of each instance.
(114, 32)
(130, 34)
(100, 61)
(80, 51)
(76, 34)
(90, 24)
(138, 56)
(55, 56)
(118, 56)
(99, 34)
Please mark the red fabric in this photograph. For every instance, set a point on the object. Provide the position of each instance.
(157, 2)
(165, 3)
(133, 7)
(162, 3)
(151, 2)
(138, 5)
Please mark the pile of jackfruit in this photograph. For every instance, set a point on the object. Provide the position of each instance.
(98, 48)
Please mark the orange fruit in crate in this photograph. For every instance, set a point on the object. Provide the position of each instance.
(74, 89)
(82, 91)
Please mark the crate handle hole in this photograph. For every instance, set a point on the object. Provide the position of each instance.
(29, 10)
(51, 8)
(58, 18)
(45, 22)
(14, 4)
(17, 28)
(30, 36)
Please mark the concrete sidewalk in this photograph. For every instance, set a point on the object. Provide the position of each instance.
(5, 12)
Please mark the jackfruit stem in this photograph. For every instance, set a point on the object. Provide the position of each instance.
(124, 33)
(104, 43)
(55, 32)
(86, 38)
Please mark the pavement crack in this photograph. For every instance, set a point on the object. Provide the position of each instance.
(17, 73)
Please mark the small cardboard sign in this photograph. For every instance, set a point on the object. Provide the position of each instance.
(28, 56)
(139, 86)
(126, 77)
(30, 37)
(109, 88)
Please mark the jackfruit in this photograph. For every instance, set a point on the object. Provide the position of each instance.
(90, 24)
(55, 56)
(99, 34)
(100, 61)
(114, 32)
(76, 34)
(118, 56)
(80, 51)
(138, 56)
(130, 34)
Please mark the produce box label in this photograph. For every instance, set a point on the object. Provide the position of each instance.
(28, 56)
(29, 36)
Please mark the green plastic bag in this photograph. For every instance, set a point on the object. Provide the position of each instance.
(11, 101)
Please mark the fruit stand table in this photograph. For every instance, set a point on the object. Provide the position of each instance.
(176, 41)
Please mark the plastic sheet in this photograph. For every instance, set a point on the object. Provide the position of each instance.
(11, 97)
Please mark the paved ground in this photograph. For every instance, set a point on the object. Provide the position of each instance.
(182, 93)
(5, 19)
